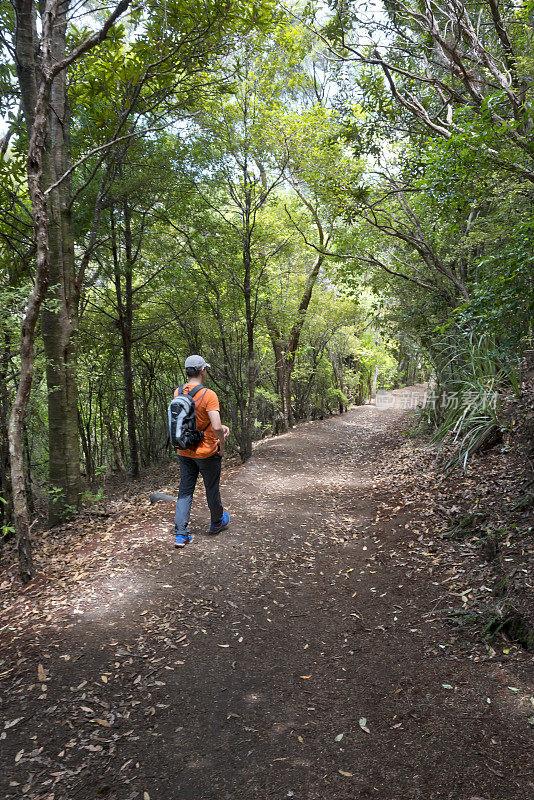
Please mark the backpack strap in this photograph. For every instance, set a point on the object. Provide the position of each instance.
(193, 392)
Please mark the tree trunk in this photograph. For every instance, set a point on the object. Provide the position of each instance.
(36, 98)
(125, 312)
(85, 436)
(374, 381)
(59, 319)
(36, 73)
(6, 507)
(28, 471)
(246, 450)
(285, 349)
(248, 429)
(114, 444)
(283, 378)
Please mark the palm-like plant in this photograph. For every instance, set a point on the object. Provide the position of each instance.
(465, 409)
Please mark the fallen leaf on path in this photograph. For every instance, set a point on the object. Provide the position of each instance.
(363, 725)
(345, 774)
(338, 737)
(41, 674)
(103, 722)
(12, 723)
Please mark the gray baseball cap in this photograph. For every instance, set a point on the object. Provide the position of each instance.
(195, 361)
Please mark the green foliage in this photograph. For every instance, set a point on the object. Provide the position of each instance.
(93, 498)
(221, 156)
(465, 412)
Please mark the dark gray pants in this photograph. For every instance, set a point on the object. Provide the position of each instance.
(210, 469)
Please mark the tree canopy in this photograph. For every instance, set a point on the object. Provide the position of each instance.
(323, 200)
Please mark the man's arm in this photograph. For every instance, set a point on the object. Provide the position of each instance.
(220, 430)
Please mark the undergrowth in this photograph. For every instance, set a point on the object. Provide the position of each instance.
(463, 408)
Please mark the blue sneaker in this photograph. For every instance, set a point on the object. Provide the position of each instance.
(221, 525)
(182, 539)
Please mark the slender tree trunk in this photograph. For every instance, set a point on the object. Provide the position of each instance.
(6, 507)
(374, 379)
(285, 393)
(281, 422)
(85, 436)
(337, 366)
(125, 312)
(283, 379)
(285, 350)
(250, 407)
(28, 471)
(248, 431)
(114, 443)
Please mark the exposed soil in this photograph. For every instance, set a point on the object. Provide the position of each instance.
(298, 654)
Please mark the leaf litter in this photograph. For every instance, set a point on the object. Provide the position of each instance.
(88, 570)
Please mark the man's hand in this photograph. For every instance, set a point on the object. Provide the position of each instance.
(226, 431)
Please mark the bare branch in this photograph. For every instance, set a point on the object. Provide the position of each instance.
(97, 150)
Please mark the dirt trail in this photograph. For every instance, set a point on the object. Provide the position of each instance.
(294, 656)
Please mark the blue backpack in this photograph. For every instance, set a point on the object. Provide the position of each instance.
(183, 431)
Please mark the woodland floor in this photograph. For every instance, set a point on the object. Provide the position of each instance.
(300, 654)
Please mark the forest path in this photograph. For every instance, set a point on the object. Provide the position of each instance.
(242, 667)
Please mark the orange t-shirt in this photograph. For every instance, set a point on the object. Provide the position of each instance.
(205, 400)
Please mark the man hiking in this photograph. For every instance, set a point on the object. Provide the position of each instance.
(205, 458)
